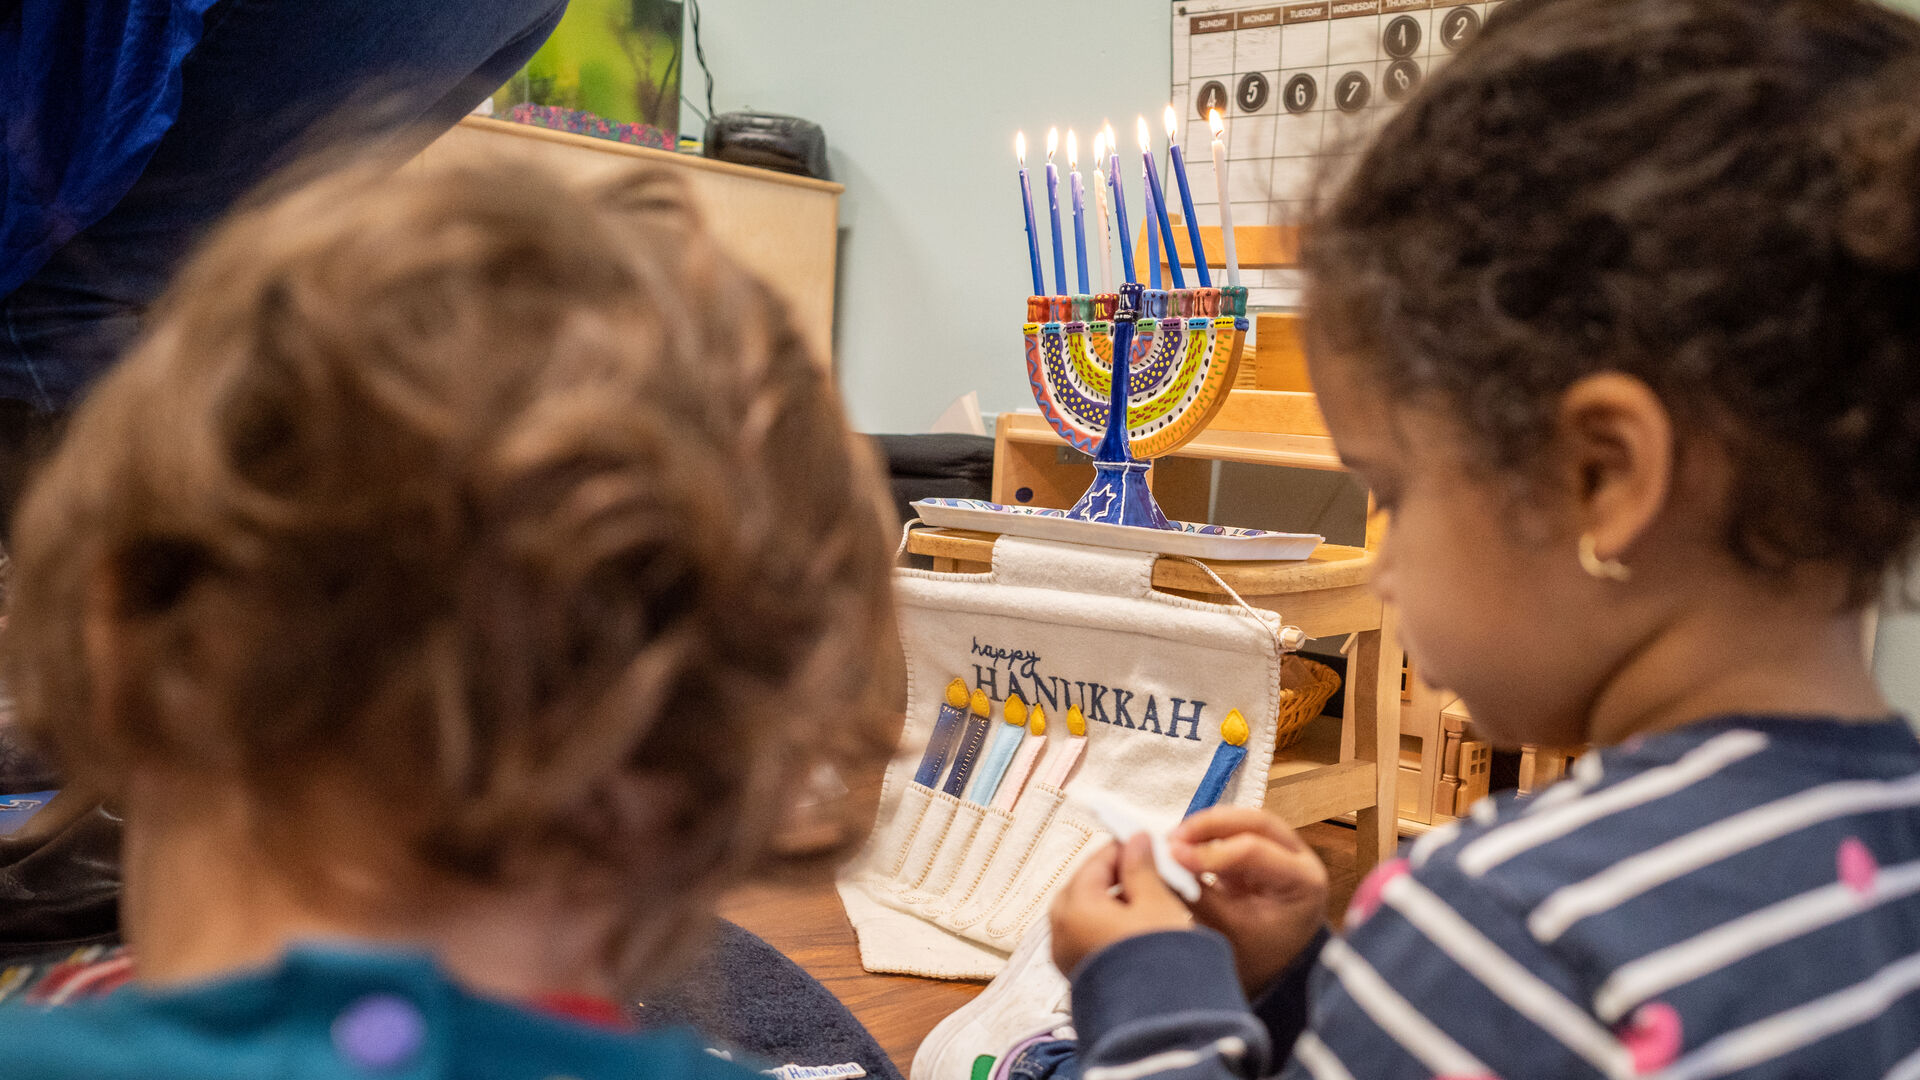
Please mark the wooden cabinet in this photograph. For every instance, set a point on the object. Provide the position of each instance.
(784, 228)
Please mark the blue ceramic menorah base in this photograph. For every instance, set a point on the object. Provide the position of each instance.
(1129, 377)
(1120, 496)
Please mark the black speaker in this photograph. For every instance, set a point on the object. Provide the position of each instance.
(766, 140)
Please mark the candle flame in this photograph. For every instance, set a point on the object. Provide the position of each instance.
(1073, 151)
(1233, 730)
(1015, 711)
(979, 703)
(1037, 720)
(1113, 141)
(1146, 141)
(1053, 142)
(1076, 721)
(957, 694)
(1173, 123)
(1214, 122)
(1099, 151)
(1020, 146)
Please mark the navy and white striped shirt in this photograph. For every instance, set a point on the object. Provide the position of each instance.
(1737, 898)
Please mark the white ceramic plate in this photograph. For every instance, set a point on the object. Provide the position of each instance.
(1186, 538)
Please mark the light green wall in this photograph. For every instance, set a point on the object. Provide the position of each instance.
(920, 101)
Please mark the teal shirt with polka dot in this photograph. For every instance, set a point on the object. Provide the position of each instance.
(333, 1012)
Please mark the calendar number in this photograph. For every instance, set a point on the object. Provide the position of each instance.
(1402, 37)
(1252, 92)
(1401, 78)
(1460, 26)
(1300, 94)
(1352, 92)
(1213, 96)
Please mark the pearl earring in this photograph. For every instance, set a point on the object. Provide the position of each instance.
(1595, 566)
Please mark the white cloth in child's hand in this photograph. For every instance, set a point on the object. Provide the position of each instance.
(1120, 820)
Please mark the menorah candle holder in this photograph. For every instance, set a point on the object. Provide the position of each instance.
(1183, 349)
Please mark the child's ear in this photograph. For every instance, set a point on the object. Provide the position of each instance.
(1619, 446)
(135, 665)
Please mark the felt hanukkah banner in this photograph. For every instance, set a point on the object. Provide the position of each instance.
(1057, 682)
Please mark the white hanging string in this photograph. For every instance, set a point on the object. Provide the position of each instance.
(1285, 638)
(906, 532)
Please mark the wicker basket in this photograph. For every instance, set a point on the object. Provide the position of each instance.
(1305, 689)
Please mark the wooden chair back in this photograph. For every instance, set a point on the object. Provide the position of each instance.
(1259, 247)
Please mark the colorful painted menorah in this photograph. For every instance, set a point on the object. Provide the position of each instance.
(1183, 350)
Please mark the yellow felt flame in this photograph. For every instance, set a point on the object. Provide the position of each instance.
(981, 706)
(1234, 728)
(1076, 720)
(1015, 710)
(957, 694)
(1037, 720)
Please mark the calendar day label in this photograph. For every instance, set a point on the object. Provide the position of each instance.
(1405, 5)
(1213, 96)
(1260, 18)
(1458, 27)
(1212, 24)
(1300, 13)
(1347, 9)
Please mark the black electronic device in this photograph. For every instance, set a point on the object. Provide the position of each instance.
(768, 141)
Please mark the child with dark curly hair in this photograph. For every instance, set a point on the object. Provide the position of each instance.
(457, 589)
(1620, 320)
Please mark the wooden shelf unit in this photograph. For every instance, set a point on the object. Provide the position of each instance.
(784, 228)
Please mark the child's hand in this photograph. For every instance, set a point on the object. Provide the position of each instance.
(1269, 895)
(1087, 916)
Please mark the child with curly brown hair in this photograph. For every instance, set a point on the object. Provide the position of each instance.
(1620, 321)
(459, 587)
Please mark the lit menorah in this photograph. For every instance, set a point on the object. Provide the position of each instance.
(1178, 351)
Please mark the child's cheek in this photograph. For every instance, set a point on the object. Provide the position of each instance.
(1385, 579)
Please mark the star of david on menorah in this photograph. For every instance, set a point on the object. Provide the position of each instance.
(1179, 350)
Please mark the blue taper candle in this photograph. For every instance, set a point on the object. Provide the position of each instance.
(1053, 215)
(1079, 196)
(1026, 202)
(1186, 202)
(1160, 209)
(1152, 212)
(1120, 215)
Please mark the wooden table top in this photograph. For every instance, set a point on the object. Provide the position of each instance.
(1331, 566)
